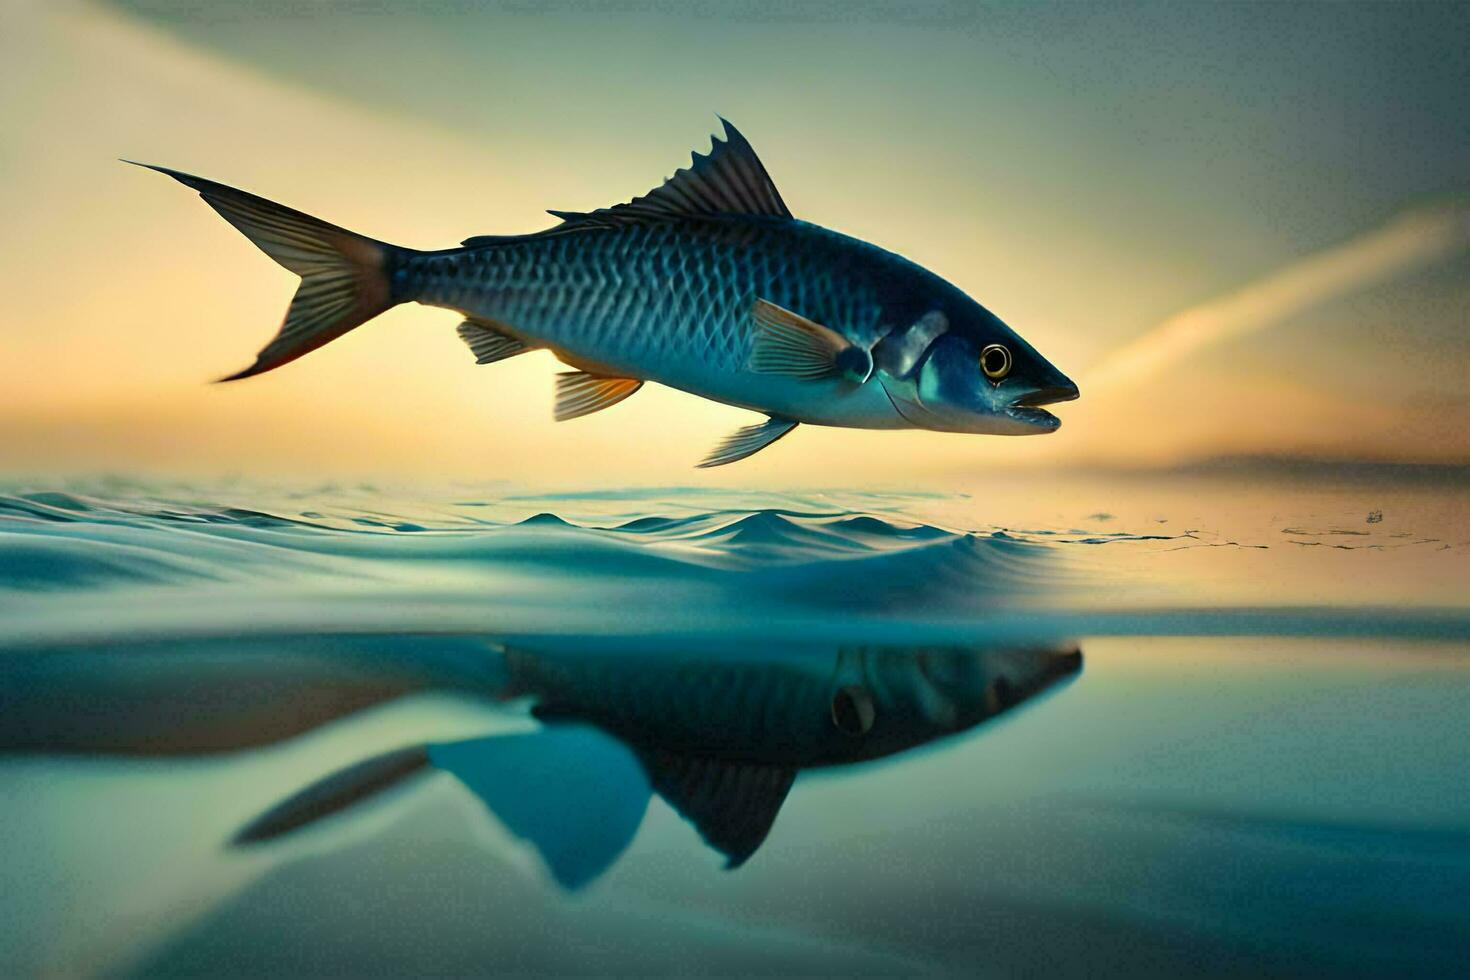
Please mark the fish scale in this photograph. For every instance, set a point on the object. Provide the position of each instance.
(663, 298)
(748, 708)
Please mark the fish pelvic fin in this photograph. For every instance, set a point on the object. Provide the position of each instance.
(579, 393)
(789, 344)
(490, 341)
(346, 278)
(747, 442)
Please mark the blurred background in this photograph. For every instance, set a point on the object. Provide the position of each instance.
(1242, 228)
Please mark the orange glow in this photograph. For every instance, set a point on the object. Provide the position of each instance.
(125, 295)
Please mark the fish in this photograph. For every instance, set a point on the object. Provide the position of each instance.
(721, 739)
(719, 732)
(707, 284)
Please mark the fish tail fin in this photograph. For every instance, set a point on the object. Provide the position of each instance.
(336, 793)
(346, 278)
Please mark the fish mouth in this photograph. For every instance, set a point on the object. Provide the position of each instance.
(1027, 409)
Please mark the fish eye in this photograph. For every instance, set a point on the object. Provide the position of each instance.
(852, 710)
(995, 361)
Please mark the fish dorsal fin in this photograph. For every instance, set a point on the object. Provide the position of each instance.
(490, 341)
(730, 179)
(731, 804)
(579, 393)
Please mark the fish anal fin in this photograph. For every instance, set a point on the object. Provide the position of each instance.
(789, 344)
(579, 393)
(489, 340)
(746, 442)
(731, 804)
(729, 180)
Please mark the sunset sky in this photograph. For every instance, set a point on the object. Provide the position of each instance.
(1241, 228)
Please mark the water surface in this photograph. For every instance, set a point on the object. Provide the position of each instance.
(1206, 723)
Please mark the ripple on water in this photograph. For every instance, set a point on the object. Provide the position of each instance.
(639, 561)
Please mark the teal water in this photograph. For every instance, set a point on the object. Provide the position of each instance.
(1203, 724)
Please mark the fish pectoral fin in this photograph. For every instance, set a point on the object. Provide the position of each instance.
(579, 393)
(731, 804)
(747, 442)
(789, 344)
(490, 341)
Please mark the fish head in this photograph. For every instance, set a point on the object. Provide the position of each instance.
(962, 369)
(899, 698)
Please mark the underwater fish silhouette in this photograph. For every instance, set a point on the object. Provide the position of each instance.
(706, 284)
(721, 740)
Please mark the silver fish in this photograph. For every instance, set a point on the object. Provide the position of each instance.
(706, 284)
(720, 739)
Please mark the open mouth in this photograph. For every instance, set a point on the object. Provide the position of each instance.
(1027, 408)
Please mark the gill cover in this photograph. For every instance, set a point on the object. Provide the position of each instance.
(900, 352)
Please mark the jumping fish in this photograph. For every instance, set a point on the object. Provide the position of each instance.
(706, 284)
(720, 733)
(720, 740)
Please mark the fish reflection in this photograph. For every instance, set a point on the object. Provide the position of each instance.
(721, 740)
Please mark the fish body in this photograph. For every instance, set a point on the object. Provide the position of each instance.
(670, 303)
(722, 740)
(707, 284)
(793, 712)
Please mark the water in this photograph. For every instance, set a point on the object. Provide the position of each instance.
(1210, 723)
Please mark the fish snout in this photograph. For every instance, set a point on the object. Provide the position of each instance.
(1050, 395)
(1026, 407)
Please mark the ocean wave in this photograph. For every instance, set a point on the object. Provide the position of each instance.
(181, 558)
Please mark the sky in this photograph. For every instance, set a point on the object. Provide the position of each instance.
(1243, 228)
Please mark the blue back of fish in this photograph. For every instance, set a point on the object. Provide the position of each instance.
(670, 301)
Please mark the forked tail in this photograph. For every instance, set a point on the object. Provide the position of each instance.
(346, 278)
